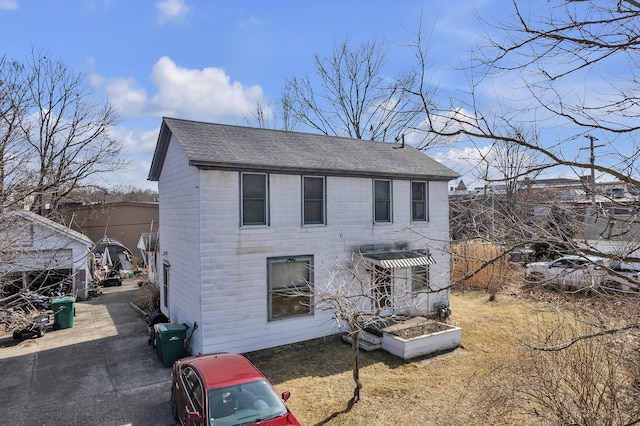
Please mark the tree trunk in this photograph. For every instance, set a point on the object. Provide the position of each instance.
(355, 337)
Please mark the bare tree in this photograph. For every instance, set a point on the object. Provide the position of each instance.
(492, 213)
(13, 110)
(510, 165)
(54, 138)
(350, 95)
(60, 134)
(567, 69)
(360, 299)
(268, 116)
(551, 71)
(557, 378)
(118, 193)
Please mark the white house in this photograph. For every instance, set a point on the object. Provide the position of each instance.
(36, 251)
(244, 212)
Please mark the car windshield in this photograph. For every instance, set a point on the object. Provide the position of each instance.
(244, 404)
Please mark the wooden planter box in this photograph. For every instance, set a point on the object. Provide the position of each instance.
(405, 341)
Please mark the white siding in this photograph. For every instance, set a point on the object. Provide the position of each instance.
(179, 237)
(219, 269)
(34, 243)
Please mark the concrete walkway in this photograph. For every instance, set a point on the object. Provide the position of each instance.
(99, 372)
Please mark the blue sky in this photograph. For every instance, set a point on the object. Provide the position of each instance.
(211, 60)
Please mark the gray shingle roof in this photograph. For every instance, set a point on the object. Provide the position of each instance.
(226, 147)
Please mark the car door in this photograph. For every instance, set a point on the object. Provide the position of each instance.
(191, 399)
(559, 272)
(579, 274)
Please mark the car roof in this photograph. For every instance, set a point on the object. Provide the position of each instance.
(628, 265)
(578, 257)
(223, 369)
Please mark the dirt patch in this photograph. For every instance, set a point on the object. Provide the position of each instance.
(414, 327)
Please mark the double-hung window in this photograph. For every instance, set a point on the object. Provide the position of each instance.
(420, 278)
(290, 282)
(313, 206)
(382, 290)
(419, 202)
(382, 200)
(166, 274)
(420, 275)
(255, 200)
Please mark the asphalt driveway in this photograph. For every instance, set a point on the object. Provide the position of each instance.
(99, 372)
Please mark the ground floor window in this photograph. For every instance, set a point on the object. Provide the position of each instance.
(420, 278)
(290, 283)
(382, 288)
(166, 268)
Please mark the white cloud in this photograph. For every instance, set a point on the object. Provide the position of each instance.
(250, 22)
(123, 94)
(171, 11)
(136, 141)
(206, 94)
(138, 147)
(8, 4)
(466, 161)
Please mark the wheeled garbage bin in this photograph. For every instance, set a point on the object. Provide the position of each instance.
(64, 311)
(170, 342)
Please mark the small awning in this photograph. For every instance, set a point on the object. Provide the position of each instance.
(398, 259)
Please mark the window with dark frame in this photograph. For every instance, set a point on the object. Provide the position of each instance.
(419, 205)
(382, 200)
(420, 278)
(313, 206)
(382, 287)
(254, 199)
(290, 285)
(166, 274)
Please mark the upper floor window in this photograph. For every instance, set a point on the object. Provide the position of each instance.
(313, 206)
(254, 199)
(419, 204)
(382, 200)
(290, 282)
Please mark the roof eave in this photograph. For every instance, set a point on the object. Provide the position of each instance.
(260, 168)
(160, 153)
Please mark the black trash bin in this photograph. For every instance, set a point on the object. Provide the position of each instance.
(154, 318)
(170, 342)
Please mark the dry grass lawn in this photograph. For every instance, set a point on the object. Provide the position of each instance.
(441, 390)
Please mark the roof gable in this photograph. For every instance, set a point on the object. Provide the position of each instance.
(226, 147)
(49, 224)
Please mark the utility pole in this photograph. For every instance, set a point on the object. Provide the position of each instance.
(592, 147)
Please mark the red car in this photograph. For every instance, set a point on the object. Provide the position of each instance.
(227, 390)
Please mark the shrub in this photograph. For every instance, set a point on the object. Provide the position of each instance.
(479, 265)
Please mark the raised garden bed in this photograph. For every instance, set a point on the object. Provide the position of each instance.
(420, 336)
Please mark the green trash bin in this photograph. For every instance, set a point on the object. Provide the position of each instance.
(170, 343)
(63, 311)
(156, 339)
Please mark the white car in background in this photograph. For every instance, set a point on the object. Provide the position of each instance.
(625, 277)
(568, 272)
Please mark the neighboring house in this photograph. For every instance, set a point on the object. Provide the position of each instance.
(125, 221)
(247, 212)
(148, 246)
(37, 252)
